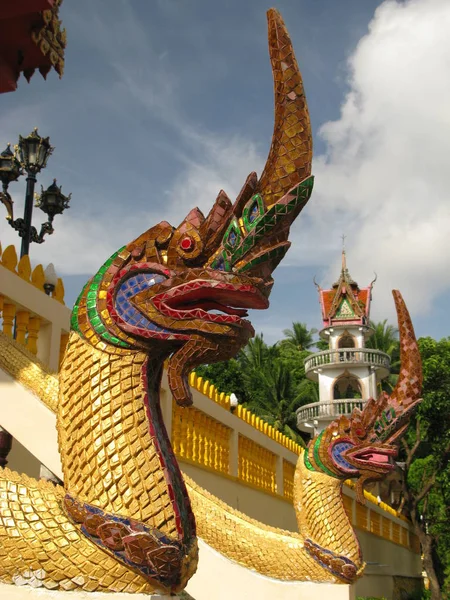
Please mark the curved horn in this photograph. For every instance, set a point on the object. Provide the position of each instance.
(290, 155)
(409, 383)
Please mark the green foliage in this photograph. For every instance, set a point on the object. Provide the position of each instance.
(322, 345)
(299, 337)
(427, 453)
(385, 338)
(226, 376)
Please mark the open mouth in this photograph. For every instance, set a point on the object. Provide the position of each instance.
(211, 301)
(381, 457)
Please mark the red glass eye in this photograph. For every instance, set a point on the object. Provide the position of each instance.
(187, 243)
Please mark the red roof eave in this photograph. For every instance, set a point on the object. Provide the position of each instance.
(18, 8)
(30, 38)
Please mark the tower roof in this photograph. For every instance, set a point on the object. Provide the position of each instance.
(345, 303)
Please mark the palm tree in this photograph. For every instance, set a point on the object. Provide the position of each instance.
(279, 400)
(385, 338)
(256, 353)
(308, 391)
(299, 336)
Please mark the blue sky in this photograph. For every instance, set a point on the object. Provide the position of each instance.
(165, 102)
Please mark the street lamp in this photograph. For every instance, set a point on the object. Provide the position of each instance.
(31, 156)
(51, 279)
(233, 402)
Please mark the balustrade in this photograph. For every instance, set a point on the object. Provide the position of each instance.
(25, 314)
(375, 523)
(257, 465)
(8, 315)
(363, 356)
(317, 411)
(199, 438)
(288, 479)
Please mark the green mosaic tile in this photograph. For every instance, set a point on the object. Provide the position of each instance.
(252, 212)
(270, 255)
(317, 457)
(232, 237)
(308, 464)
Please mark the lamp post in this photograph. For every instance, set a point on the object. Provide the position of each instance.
(51, 279)
(30, 157)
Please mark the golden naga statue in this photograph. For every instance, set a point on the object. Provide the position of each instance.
(126, 519)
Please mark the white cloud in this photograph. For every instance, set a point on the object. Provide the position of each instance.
(220, 163)
(385, 178)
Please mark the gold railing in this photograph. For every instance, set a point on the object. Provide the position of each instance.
(198, 438)
(16, 321)
(261, 425)
(288, 479)
(22, 267)
(348, 505)
(381, 525)
(208, 389)
(362, 516)
(375, 523)
(256, 465)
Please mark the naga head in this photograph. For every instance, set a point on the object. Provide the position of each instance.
(364, 445)
(184, 292)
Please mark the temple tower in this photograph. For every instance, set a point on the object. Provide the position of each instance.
(347, 372)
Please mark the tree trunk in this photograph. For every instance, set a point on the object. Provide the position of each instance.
(426, 543)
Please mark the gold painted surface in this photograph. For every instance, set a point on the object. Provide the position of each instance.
(256, 465)
(38, 541)
(90, 428)
(288, 479)
(199, 438)
(16, 360)
(274, 552)
(238, 537)
(108, 457)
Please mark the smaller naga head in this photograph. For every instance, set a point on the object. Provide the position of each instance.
(364, 445)
(184, 292)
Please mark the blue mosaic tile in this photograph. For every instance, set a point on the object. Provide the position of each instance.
(130, 288)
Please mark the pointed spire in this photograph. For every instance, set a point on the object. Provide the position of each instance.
(344, 261)
(344, 276)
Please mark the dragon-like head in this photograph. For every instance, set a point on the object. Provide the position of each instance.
(364, 445)
(184, 292)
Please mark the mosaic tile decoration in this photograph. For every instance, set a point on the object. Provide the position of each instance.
(124, 520)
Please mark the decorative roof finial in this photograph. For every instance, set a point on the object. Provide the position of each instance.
(344, 258)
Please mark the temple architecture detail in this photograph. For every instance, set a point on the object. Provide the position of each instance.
(31, 37)
(348, 373)
(115, 397)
